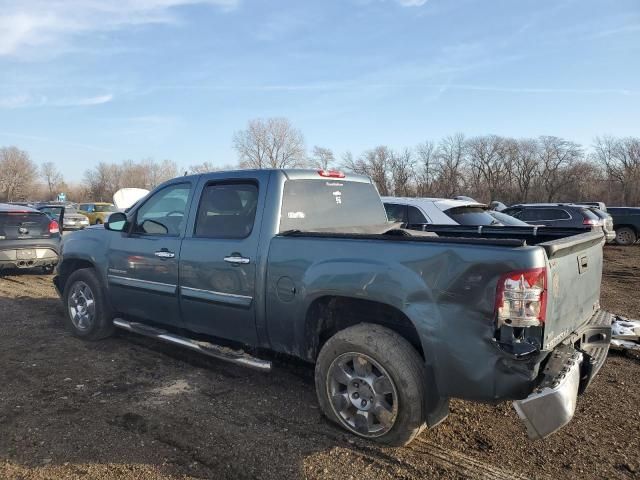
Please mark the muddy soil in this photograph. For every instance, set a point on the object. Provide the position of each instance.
(129, 407)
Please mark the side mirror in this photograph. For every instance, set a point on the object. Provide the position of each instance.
(117, 222)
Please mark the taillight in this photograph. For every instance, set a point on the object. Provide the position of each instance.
(521, 298)
(591, 221)
(54, 227)
(331, 173)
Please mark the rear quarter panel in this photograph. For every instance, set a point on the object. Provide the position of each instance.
(446, 290)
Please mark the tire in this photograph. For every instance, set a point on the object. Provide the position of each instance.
(98, 222)
(399, 416)
(83, 293)
(626, 236)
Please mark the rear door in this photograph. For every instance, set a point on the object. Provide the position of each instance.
(218, 258)
(143, 262)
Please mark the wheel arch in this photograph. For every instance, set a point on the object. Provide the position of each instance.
(68, 266)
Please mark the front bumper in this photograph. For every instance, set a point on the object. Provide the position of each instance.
(567, 373)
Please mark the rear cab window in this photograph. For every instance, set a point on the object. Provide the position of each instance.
(330, 203)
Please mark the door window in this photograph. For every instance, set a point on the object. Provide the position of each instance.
(543, 214)
(164, 213)
(227, 210)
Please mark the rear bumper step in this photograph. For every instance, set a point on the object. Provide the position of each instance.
(206, 348)
(567, 373)
(553, 403)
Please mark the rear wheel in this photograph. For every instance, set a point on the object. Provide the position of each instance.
(626, 236)
(98, 221)
(88, 314)
(370, 380)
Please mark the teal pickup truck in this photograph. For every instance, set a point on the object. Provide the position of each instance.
(303, 262)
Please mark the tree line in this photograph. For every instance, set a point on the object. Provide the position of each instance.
(487, 167)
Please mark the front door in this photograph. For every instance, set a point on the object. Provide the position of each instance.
(143, 262)
(218, 261)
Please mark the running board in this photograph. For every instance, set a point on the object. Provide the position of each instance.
(206, 348)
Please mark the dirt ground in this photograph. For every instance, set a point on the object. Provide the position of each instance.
(129, 407)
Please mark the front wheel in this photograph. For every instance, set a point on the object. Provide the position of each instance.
(626, 236)
(88, 314)
(370, 380)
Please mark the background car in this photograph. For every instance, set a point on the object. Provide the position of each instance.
(505, 219)
(71, 220)
(437, 211)
(97, 212)
(626, 222)
(28, 238)
(560, 215)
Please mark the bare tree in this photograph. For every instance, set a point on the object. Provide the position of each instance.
(322, 157)
(51, 176)
(206, 167)
(17, 174)
(426, 168)
(403, 173)
(556, 156)
(621, 159)
(487, 160)
(375, 163)
(451, 157)
(270, 143)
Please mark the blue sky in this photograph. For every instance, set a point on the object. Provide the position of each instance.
(98, 80)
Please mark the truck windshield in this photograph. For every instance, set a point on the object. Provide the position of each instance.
(322, 204)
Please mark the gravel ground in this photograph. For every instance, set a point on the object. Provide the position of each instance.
(129, 407)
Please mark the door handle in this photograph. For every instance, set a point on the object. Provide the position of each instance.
(237, 260)
(164, 253)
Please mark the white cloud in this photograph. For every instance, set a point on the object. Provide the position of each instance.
(411, 3)
(30, 101)
(31, 24)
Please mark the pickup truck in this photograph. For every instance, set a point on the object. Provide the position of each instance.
(241, 264)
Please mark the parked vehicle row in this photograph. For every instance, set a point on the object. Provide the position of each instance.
(396, 321)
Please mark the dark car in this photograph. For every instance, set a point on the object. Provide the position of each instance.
(28, 238)
(626, 221)
(560, 215)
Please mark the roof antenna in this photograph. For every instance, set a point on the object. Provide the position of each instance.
(185, 173)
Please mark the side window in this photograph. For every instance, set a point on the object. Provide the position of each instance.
(84, 207)
(227, 210)
(557, 214)
(396, 213)
(416, 216)
(164, 213)
(526, 215)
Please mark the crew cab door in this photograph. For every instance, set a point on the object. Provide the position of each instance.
(218, 258)
(143, 261)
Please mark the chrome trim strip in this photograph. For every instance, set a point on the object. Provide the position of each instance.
(217, 297)
(143, 284)
(206, 348)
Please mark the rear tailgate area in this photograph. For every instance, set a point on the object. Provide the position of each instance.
(573, 292)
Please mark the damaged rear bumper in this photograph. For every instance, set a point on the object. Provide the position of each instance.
(569, 370)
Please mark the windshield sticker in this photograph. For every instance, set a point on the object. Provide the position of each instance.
(296, 215)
